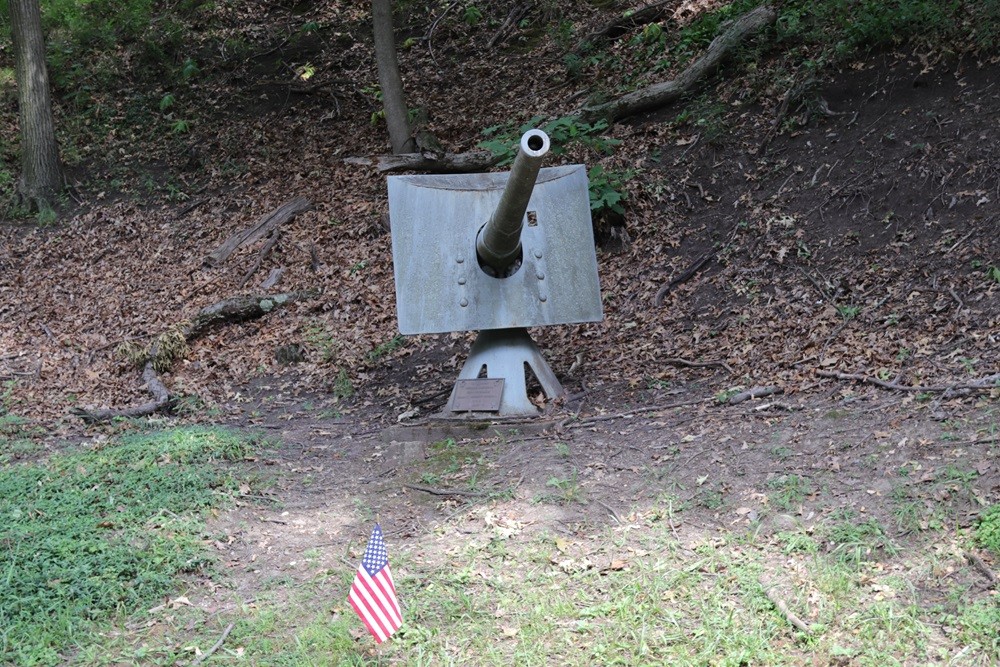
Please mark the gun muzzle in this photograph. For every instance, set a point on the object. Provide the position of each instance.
(498, 243)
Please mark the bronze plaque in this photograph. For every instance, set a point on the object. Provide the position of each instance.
(480, 395)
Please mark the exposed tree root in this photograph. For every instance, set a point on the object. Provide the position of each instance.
(646, 99)
(981, 565)
(227, 311)
(988, 382)
(663, 93)
(711, 363)
(623, 23)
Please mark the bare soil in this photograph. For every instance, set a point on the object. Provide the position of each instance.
(894, 199)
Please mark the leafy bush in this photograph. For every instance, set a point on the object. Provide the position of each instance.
(563, 133)
(606, 188)
(988, 531)
(847, 26)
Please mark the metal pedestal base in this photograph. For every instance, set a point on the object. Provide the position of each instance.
(504, 353)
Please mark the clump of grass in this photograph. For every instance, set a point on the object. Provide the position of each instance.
(988, 531)
(101, 532)
(852, 541)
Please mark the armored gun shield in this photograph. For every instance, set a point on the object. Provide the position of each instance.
(496, 253)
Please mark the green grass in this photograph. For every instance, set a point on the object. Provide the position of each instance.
(493, 589)
(789, 491)
(988, 530)
(853, 541)
(100, 533)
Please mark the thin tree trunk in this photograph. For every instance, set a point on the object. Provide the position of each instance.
(393, 100)
(41, 174)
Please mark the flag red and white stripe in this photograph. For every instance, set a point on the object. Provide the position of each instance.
(373, 594)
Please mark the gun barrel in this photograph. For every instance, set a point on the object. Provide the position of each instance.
(499, 241)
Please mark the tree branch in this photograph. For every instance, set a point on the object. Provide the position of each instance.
(665, 92)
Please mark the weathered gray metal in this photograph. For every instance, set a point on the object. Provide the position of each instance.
(503, 353)
(498, 244)
(538, 268)
(439, 284)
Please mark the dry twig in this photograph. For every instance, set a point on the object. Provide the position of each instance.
(982, 567)
(988, 382)
(215, 647)
(782, 607)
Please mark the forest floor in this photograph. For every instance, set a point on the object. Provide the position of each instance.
(852, 267)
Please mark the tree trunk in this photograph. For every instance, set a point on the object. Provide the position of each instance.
(41, 175)
(393, 100)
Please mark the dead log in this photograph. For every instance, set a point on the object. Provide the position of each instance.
(228, 311)
(272, 241)
(264, 226)
(649, 14)
(447, 163)
(663, 93)
(240, 309)
(513, 17)
(755, 392)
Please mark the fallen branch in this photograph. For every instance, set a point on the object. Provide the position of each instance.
(625, 22)
(227, 311)
(782, 607)
(631, 413)
(988, 382)
(447, 163)
(711, 363)
(264, 226)
(611, 509)
(682, 278)
(755, 392)
(513, 17)
(982, 567)
(665, 92)
(261, 256)
(215, 647)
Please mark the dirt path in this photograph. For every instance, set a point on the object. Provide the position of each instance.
(876, 457)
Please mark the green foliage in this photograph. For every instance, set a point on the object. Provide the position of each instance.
(563, 133)
(848, 311)
(844, 27)
(988, 531)
(387, 348)
(789, 491)
(853, 541)
(166, 102)
(318, 337)
(607, 190)
(472, 15)
(309, 27)
(567, 489)
(342, 386)
(101, 532)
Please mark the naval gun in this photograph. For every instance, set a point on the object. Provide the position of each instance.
(496, 253)
(498, 244)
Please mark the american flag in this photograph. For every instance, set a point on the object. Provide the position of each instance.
(373, 595)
